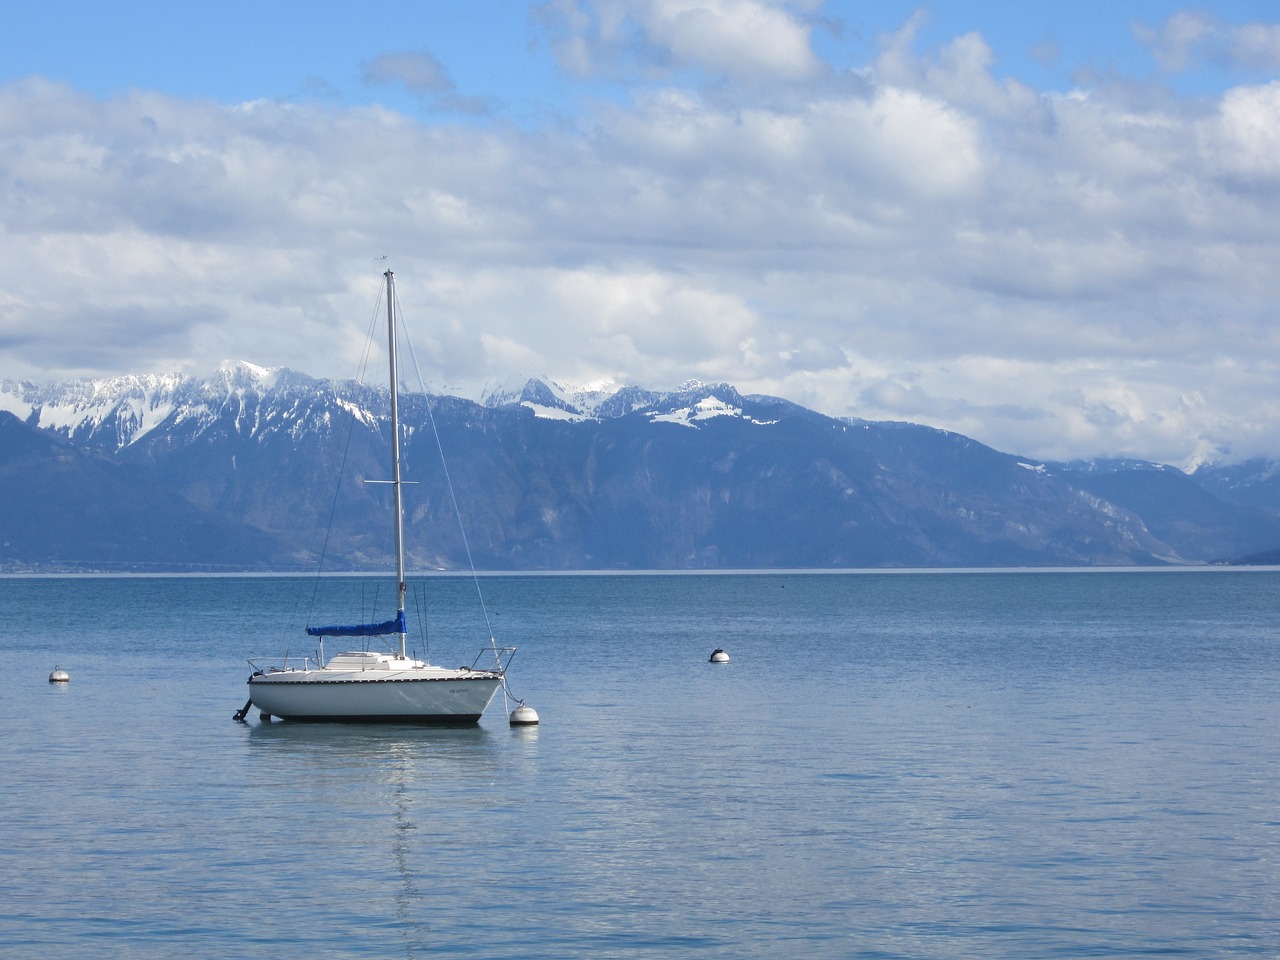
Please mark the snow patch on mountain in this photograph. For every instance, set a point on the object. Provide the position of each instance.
(549, 399)
(500, 393)
(705, 409)
(588, 398)
(694, 401)
(358, 412)
(12, 398)
(126, 407)
(240, 375)
(554, 413)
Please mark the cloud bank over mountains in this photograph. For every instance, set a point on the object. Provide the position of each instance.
(1088, 271)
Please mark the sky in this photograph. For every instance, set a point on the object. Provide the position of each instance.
(1054, 228)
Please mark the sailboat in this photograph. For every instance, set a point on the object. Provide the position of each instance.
(372, 687)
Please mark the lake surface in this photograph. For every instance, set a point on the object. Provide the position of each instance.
(893, 765)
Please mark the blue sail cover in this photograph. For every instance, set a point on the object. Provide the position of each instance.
(361, 629)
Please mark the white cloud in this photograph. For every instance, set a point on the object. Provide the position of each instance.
(1175, 44)
(1256, 45)
(731, 37)
(418, 71)
(422, 75)
(1054, 273)
(1189, 39)
(748, 40)
(1243, 138)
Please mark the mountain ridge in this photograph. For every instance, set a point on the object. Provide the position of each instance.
(702, 477)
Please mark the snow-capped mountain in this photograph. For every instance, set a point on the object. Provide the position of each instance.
(547, 399)
(117, 412)
(114, 412)
(123, 407)
(242, 469)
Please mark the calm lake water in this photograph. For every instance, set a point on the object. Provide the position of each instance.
(907, 765)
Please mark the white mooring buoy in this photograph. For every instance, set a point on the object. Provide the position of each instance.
(523, 716)
(59, 676)
(719, 656)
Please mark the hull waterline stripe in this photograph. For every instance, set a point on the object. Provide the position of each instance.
(260, 681)
(425, 720)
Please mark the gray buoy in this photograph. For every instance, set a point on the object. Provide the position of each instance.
(59, 676)
(523, 716)
(718, 656)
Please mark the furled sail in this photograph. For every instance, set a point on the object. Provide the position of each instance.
(361, 629)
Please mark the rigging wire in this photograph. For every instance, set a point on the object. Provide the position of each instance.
(453, 496)
(419, 606)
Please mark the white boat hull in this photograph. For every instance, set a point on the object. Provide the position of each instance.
(417, 694)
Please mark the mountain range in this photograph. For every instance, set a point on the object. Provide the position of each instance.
(256, 469)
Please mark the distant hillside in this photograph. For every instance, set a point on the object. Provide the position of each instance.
(1180, 510)
(1253, 483)
(65, 506)
(243, 470)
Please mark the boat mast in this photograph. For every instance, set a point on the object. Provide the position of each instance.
(401, 587)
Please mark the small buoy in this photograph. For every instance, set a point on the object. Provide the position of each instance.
(719, 656)
(59, 676)
(523, 716)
